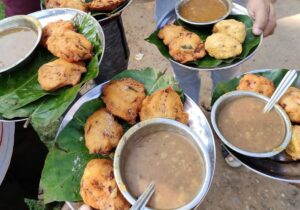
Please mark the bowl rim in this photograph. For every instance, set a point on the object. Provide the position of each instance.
(181, 2)
(38, 28)
(202, 192)
(280, 111)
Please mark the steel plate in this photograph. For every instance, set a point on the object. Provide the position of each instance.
(237, 9)
(274, 169)
(197, 122)
(50, 15)
(104, 16)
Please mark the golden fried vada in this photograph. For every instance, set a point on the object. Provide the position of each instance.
(222, 46)
(70, 46)
(259, 84)
(123, 98)
(60, 73)
(98, 187)
(105, 5)
(170, 32)
(232, 28)
(165, 103)
(293, 149)
(290, 102)
(59, 26)
(75, 4)
(102, 132)
(187, 47)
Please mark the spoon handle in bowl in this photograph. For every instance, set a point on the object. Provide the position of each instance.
(144, 198)
(285, 83)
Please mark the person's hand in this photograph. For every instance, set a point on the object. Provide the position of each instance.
(263, 13)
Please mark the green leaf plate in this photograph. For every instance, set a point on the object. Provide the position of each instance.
(280, 167)
(21, 95)
(209, 63)
(67, 159)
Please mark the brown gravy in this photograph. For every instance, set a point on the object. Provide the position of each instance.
(171, 161)
(203, 10)
(15, 44)
(243, 123)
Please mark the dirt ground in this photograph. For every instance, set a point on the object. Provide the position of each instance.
(231, 188)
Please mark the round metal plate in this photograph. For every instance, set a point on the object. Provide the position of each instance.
(105, 16)
(197, 122)
(50, 15)
(268, 167)
(237, 9)
(7, 134)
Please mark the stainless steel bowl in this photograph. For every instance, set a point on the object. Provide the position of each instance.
(228, 4)
(218, 105)
(154, 125)
(22, 21)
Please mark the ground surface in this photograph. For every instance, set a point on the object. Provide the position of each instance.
(232, 188)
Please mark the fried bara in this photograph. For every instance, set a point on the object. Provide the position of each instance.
(59, 27)
(102, 132)
(187, 47)
(259, 84)
(222, 46)
(75, 4)
(164, 103)
(123, 98)
(98, 187)
(70, 46)
(105, 5)
(170, 32)
(232, 28)
(293, 149)
(60, 73)
(290, 102)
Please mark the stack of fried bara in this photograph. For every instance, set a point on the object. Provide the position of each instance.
(94, 5)
(71, 48)
(290, 102)
(125, 100)
(185, 46)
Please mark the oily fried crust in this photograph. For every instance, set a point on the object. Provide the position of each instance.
(105, 5)
(98, 187)
(187, 47)
(221, 46)
(290, 102)
(293, 149)
(70, 46)
(170, 32)
(75, 4)
(232, 28)
(59, 27)
(60, 73)
(259, 84)
(123, 98)
(102, 132)
(164, 103)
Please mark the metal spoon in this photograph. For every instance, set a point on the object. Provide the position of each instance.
(144, 198)
(285, 83)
